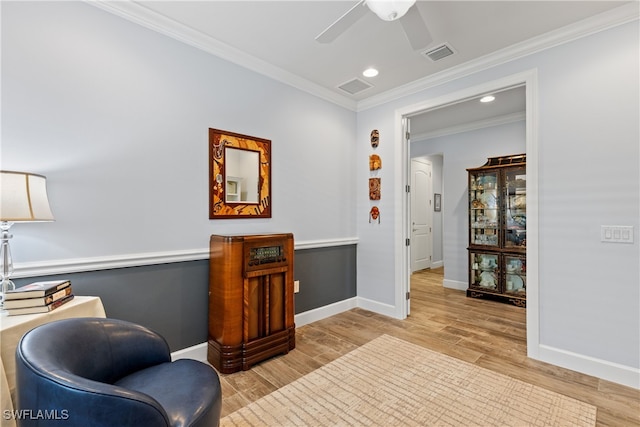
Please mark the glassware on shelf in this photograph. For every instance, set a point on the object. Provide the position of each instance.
(515, 275)
(486, 239)
(485, 271)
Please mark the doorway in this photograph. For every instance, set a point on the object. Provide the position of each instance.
(529, 81)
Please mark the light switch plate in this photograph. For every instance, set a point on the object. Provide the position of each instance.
(616, 233)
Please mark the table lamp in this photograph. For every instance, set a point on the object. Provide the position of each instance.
(23, 198)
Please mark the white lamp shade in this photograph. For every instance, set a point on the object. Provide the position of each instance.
(390, 10)
(23, 197)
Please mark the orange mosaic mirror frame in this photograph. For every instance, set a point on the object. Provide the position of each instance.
(222, 179)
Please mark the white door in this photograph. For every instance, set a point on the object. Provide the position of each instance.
(421, 214)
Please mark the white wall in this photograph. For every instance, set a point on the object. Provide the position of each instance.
(462, 151)
(588, 148)
(117, 116)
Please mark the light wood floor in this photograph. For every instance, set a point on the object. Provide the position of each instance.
(489, 334)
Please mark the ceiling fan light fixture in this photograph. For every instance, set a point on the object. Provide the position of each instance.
(390, 10)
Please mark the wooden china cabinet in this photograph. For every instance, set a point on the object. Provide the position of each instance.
(498, 230)
(251, 316)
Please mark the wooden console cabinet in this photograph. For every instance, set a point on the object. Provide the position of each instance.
(250, 299)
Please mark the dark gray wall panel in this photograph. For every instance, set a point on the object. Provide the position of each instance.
(326, 275)
(172, 299)
(168, 298)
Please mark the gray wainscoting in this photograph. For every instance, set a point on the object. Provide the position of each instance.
(172, 298)
(326, 275)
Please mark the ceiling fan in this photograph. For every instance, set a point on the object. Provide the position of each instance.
(389, 10)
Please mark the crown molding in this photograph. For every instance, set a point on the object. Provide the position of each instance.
(155, 21)
(467, 127)
(150, 19)
(603, 21)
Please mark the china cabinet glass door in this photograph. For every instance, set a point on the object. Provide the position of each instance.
(484, 271)
(515, 271)
(483, 209)
(515, 236)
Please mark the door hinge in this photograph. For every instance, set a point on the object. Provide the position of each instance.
(407, 136)
(408, 295)
(407, 242)
(407, 188)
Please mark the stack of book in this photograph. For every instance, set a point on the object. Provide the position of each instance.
(38, 297)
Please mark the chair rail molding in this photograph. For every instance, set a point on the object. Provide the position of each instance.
(79, 265)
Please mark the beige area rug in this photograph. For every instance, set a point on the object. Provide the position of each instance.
(390, 382)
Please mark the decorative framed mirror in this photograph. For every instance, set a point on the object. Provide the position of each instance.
(239, 176)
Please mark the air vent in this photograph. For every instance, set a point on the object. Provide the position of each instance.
(354, 86)
(438, 53)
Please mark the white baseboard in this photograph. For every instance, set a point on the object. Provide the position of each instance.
(320, 313)
(197, 352)
(454, 284)
(609, 371)
(378, 307)
(437, 264)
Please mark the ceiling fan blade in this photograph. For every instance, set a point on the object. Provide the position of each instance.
(343, 23)
(416, 29)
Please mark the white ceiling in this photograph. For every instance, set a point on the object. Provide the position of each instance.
(277, 38)
(508, 106)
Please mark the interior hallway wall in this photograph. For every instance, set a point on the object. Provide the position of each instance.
(588, 110)
(461, 151)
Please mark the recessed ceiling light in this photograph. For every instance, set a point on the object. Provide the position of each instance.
(370, 72)
(488, 98)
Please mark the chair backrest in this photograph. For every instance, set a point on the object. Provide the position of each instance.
(97, 349)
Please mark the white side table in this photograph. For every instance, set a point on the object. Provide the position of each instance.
(12, 328)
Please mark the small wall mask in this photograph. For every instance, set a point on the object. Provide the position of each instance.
(375, 138)
(375, 162)
(374, 214)
(374, 188)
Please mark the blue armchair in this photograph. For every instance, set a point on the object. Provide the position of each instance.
(106, 372)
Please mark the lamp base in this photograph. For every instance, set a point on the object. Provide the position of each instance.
(6, 285)
(5, 260)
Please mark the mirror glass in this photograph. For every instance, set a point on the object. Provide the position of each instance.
(241, 175)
